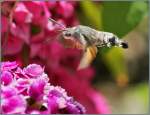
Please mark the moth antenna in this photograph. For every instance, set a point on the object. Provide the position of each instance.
(59, 30)
(52, 20)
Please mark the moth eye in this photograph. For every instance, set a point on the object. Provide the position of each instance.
(68, 34)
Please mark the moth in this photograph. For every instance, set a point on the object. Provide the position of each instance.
(88, 40)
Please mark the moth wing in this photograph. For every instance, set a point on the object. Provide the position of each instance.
(88, 57)
(71, 42)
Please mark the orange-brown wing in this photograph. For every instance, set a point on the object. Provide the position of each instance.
(71, 42)
(88, 57)
(89, 53)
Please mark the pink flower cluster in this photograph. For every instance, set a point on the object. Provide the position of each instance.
(29, 37)
(27, 91)
(30, 24)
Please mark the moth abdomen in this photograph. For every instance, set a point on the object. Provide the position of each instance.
(124, 45)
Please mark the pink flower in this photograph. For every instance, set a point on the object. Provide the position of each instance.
(8, 65)
(64, 62)
(22, 14)
(13, 45)
(39, 11)
(51, 4)
(30, 29)
(6, 77)
(61, 103)
(7, 7)
(4, 22)
(21, 31)
(28, 91)
(36, 89)
(93, 101)
(33, 70)
(65, 9)
(11, 102)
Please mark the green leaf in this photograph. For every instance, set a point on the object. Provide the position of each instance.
(35, 29)
(121, 17)
(115, 62)
(118, 18)
(140, 93)
(137, 11)
(90, 14)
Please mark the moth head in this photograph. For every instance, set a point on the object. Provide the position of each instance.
(67, 33)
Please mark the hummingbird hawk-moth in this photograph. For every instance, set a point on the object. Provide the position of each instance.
(88, 39)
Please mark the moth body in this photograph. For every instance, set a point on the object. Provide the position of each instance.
(88, 40)
(87, 36)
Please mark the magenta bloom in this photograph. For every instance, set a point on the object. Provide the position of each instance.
(11, 102)
(27, 90)
(31, 38)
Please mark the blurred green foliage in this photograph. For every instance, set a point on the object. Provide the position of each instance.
(118, 17)
(96, 19)
(138, 95)
(121, 17)
(90, 14)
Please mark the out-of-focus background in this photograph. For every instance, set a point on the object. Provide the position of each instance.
(121, 75)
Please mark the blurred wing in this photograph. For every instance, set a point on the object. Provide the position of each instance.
(89, 53)
(88, 57)
(71, 42)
